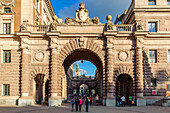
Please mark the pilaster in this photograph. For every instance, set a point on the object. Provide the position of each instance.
(141, 101)
(111, 101)
(55, 76)
(25, 97)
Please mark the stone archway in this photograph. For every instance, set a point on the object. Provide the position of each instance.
(124, 86)
(40, 84)
(74, 50)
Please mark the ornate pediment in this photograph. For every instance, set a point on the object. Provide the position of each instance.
(82, 17)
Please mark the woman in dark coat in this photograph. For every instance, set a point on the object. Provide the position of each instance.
(77, 103)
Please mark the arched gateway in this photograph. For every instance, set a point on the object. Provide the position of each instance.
(113, 49)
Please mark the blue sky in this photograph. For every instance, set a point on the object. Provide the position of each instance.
(86, 68)
(96, 8)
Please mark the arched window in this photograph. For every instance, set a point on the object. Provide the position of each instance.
(7, 10)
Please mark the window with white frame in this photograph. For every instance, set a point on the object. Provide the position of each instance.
(6, 90)
(6, 56)
(7, 28)
(7, 10)
(152, 26)
(168, 56)
(151, 2)
(152, 56)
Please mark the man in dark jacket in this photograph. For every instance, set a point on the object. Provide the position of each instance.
(77, 103)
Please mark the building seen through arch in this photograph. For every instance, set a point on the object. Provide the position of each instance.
(38, 49)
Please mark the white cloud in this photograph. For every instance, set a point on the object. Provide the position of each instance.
(99, 8)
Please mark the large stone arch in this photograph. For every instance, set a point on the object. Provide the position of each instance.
(80, 44)
(73, 45)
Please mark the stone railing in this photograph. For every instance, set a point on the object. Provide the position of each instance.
(34, 28)
(124, 28)
(41, 28)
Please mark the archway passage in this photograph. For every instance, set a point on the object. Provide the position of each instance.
(39, 88)
(84, 89)
(124, 86)
(84, 55)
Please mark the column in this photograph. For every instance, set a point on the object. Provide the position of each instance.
(110, 83)
(139, 77)
(25, 79)
(55, 79)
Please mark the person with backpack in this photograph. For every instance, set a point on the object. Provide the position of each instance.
(72, 103)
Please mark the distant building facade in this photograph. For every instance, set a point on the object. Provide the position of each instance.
(132, 58)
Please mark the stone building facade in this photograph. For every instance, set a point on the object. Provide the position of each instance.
(132, 58)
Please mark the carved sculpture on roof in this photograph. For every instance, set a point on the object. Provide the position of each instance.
(82, 17)
(24, 25)
(139, 25)
(56, 21)
(109, 24)
(7, 2)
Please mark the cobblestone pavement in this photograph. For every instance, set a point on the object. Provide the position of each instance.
(93, 109)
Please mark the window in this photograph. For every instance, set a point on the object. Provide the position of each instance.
(153, 82)
(7, 10)
(152, 2)
(168, 2)
(168, 56)
(6, 89)
(7, 28)
(168, 87)
(152, 56)
(6, 56)
(152, 26)
(37, 5)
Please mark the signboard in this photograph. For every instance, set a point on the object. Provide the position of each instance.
(154, 92)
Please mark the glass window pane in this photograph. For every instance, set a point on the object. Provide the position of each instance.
(7, 56)
(152, 56)
(152, 27)
(6, 89)
(152, 2)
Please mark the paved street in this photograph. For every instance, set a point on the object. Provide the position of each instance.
(93, 109)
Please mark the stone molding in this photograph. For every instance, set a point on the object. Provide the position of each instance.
(40, 70)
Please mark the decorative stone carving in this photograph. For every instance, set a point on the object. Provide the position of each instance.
(24, 25)
(80, 42)
(39, 56)
(109, 24)
(54, 41)
(7, 3)
(82, 17)
(139, 25)
(123, 55)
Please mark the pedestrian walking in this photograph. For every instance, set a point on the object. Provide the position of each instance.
(80, 103)
(130, 100)
(123, 100)
(90, 98)
(77, 103)
(97, 99)
(87, 104)
(118, 101)
(72, 103)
